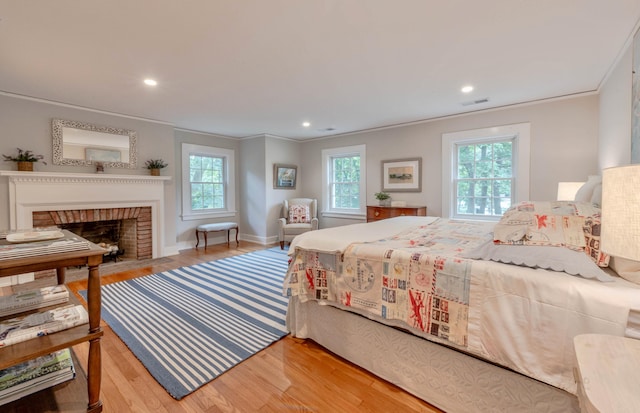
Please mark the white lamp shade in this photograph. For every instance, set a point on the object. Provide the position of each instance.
(567, 190)
(620, 233)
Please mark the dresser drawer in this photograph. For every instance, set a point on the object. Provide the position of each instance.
(376, 213)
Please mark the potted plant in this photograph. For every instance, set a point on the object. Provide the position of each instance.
(24, 159)
(154, 165)
(383, 198)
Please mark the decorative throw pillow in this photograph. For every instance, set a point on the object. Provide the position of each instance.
(299, 214)
(574, 225)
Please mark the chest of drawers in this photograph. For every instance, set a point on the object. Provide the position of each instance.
(376, 213)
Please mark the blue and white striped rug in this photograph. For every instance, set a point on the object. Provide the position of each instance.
(187, 326)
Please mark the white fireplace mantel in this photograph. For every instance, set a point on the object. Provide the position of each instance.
(46, 191)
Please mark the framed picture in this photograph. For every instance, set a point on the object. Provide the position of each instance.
(102, 155)
(402, 175)
(284, 176)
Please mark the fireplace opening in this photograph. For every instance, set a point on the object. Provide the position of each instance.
(118, 237)
(127, 228)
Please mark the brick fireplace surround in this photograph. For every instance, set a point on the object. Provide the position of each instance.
(141, 215)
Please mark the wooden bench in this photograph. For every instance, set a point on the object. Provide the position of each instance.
(219, 226)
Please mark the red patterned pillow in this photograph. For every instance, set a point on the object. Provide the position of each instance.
(574, 225)
(299, 214)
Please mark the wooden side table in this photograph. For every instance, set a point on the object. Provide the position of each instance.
(608, 373)
(30, 349)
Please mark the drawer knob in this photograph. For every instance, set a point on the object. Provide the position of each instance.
(377, 213)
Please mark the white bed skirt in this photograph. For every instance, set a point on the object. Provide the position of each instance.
(443, 377)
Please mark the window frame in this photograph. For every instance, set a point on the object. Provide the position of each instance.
(521, 135)
(327, 162)
(229, 210)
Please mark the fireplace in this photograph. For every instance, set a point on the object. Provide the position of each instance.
(56, 198)
(66, 197)
(128, 228)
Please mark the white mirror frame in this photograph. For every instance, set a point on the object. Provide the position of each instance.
(57, 132)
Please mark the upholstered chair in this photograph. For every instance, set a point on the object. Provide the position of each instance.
(298, 215)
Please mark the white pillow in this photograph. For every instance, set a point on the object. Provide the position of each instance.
(546, 257)
(596, 196)
(585, 192)
(627, 269)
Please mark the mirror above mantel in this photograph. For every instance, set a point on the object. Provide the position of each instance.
(81, 144)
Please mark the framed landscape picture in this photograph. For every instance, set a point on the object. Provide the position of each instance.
(284, 176)
(402, 175)
(102, 155)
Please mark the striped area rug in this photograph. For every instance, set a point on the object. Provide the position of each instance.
(187, 326)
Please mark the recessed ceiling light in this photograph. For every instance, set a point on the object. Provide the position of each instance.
(467, 89)
(306, 124)
(150, 82)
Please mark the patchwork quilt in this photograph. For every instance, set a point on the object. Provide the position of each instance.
(417, 277)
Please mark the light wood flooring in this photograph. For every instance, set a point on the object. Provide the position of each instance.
(290, 375)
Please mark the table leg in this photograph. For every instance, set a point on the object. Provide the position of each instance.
(60, 273)
(95, 358)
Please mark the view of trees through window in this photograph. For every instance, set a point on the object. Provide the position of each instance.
(484, 182)
(206, 175)
(345, 175)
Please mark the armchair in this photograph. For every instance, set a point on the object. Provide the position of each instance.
(298, 215)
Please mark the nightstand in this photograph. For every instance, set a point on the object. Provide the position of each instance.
(607, 373)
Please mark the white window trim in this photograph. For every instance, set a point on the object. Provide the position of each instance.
(521, 167)
(230, 186)
(327, 154)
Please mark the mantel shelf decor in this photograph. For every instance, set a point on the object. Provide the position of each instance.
(154, 166)
(24, 159)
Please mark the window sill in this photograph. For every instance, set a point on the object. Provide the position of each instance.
(344, 215)
(208, 215)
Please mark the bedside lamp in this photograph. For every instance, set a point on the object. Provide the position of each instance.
(620, 233)
(567, 190)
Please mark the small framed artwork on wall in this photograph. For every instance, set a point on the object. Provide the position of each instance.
(402, 175)
(284, 176)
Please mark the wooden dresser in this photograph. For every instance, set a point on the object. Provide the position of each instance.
(376, 213)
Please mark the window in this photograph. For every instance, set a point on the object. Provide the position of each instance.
(207, 177)
(208, 183)
(485, 171)
(344, 181)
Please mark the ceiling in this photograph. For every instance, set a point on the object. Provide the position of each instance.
(241, 68)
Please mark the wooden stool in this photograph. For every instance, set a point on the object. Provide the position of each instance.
(220, 226)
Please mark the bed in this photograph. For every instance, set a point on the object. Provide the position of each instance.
(438, 308)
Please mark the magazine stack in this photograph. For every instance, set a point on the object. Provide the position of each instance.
(33, 299)
(34, 375)
(23, 328)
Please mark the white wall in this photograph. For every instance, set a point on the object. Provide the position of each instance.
(564, 139)
(282, 151)
(27, 124)
(615, 115)
(564, 147)
(253, 183)
(185, 231)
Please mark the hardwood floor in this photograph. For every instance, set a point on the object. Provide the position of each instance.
(290, 375)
